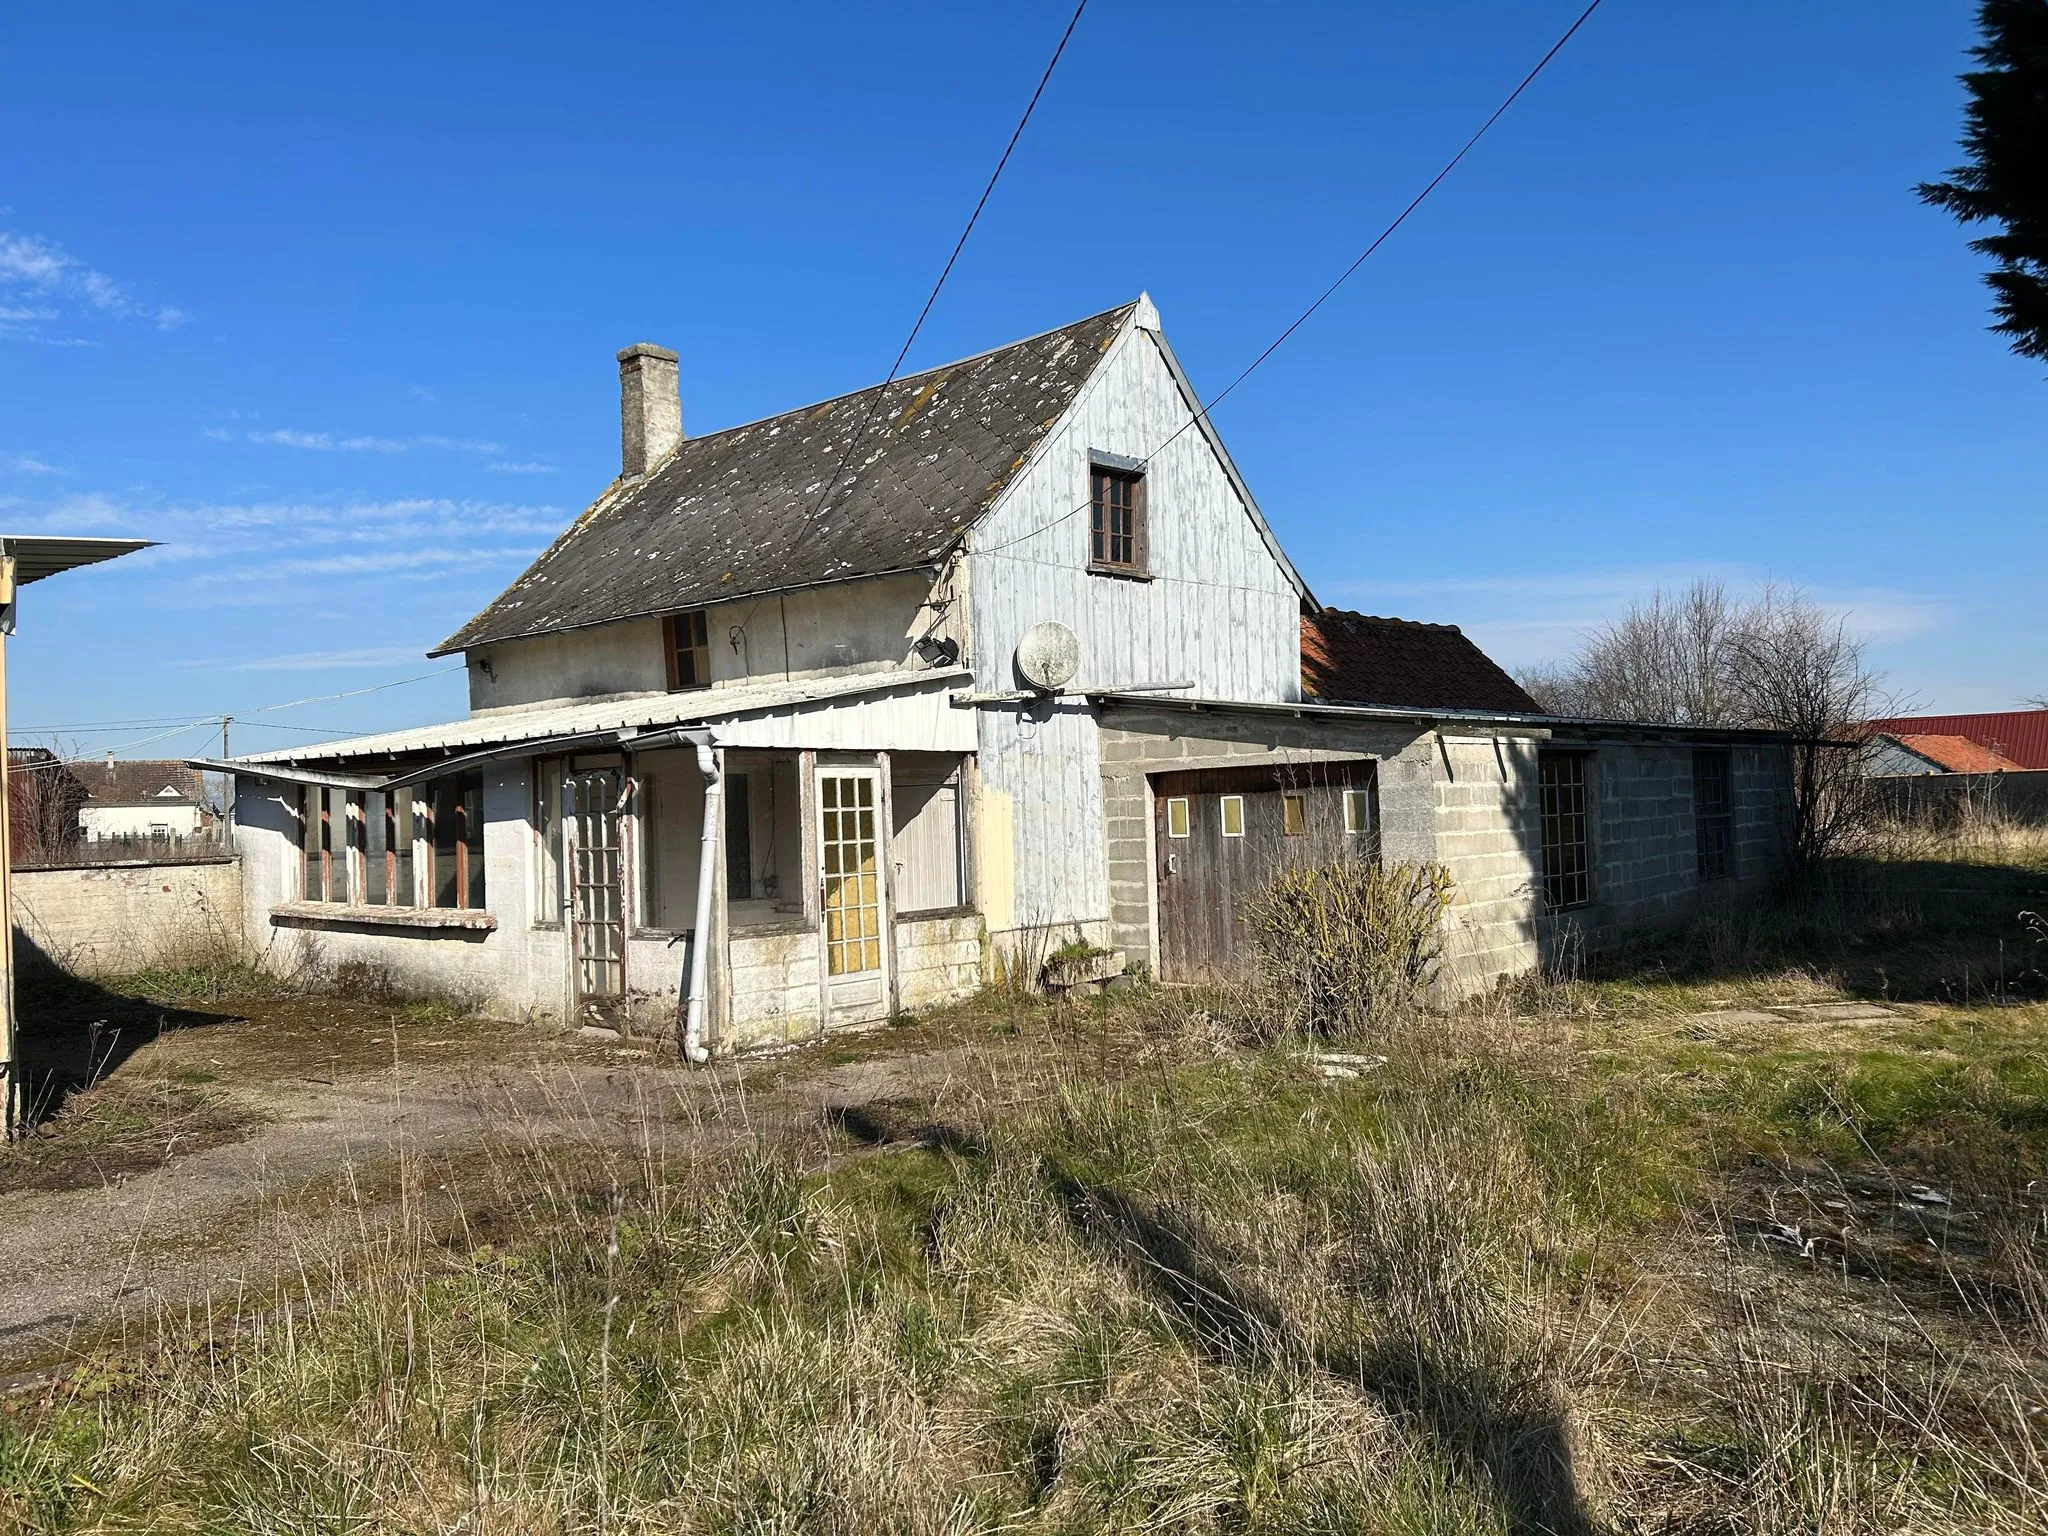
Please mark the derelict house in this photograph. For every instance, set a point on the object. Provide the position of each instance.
(881, 696)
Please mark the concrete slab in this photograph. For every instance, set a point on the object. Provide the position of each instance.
(1833, 1013)
(1741, 1018)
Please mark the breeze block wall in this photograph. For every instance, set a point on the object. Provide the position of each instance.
(103, 919)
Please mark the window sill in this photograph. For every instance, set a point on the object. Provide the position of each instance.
(937, 914)
(771, 927)
(336, 914)
(1119, 572)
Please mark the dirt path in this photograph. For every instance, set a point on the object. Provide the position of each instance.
(323, 1165)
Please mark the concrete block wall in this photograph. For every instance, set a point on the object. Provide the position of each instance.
(1488, 835)
(772, 980)
(1137, 743)
(938, 959)
(102, 919)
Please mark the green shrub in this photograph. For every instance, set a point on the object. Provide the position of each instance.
(1350, 946)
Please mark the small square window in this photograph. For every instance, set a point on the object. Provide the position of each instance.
(1233, 815)
(1177, 817)
(1357, 812)
(1294, 815)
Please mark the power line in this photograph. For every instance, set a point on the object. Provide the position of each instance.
(1379, 240)
(95, 727)
(875, 394)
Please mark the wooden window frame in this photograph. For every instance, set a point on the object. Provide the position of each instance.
(1564, 796)
(1103, 539)
(1223, 804)
(1357, 811)
(694, 625)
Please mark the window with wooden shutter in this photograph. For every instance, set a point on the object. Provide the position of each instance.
(688, 639)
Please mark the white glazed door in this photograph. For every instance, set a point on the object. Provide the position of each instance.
(852, 899)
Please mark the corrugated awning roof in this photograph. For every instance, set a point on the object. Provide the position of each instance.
(757, 509)
(37, 555)
(638, 713)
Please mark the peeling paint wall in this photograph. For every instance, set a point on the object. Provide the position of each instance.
(851, 626)
(1218, 612)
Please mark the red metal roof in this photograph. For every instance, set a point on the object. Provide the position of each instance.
(2020, 734)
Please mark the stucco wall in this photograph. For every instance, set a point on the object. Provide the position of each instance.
(847, 626)
(98, 919)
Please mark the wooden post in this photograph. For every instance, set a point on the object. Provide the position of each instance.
(12, 1104)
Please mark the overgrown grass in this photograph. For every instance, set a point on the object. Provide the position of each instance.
(1606, 1254)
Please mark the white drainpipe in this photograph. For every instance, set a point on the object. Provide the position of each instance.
(700, 937)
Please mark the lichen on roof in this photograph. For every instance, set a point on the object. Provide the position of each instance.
(767, 506)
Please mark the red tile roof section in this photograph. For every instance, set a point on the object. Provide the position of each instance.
(1955, 754)
(2020, 734)
(1355, 658)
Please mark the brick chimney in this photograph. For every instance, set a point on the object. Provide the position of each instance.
(650, 408)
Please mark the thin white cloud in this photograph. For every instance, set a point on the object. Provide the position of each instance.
(521, 469)
(328, 442)
(1523, 619)
(421, 392)
(318, 661)
(53, 274)
(28, 464)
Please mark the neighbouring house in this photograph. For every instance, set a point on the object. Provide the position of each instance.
(1890, 754)
(142, 798)
(2006, 740)
(852, 709)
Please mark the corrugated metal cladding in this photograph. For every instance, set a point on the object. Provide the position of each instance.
(1218, 610)
(757, 508)
(2021, 734)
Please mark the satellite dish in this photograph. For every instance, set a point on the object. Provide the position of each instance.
(1048, 656)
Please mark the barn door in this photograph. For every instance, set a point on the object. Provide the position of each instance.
(850, 868)
(596, 863)
(1221, 836)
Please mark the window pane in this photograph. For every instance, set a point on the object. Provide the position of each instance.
(376, 828)
(1233, 815)
(739, 839)
(399, 813)
(1177, 817)
(312, 887)
(473, 840)
(445, 798)
(547, 822)
(1294, 815)
(1567, 850)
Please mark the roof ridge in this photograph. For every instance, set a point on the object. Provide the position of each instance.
(901, 378)
(1377, 618)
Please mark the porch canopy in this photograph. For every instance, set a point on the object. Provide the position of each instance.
(738, 716)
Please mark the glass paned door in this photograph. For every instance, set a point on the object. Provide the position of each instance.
(853, 897)
(853, 884)
(595, 859)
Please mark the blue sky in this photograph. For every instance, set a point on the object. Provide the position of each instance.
(327, 302)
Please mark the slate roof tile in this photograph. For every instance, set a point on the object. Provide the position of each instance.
(745, 511)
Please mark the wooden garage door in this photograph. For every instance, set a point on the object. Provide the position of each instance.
(1220, 837)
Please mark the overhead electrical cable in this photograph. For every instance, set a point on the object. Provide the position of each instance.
(875, 394)
(1322, 298)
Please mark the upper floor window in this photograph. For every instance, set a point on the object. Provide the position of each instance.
(688, 636)
(1116, 529)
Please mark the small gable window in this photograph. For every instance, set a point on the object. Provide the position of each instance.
(688, 637)
(1116, 525)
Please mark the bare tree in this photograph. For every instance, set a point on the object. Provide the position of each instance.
(44, 797)
(1796, 669)
(1775, 662)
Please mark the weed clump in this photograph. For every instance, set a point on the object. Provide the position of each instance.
(1350, 947)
